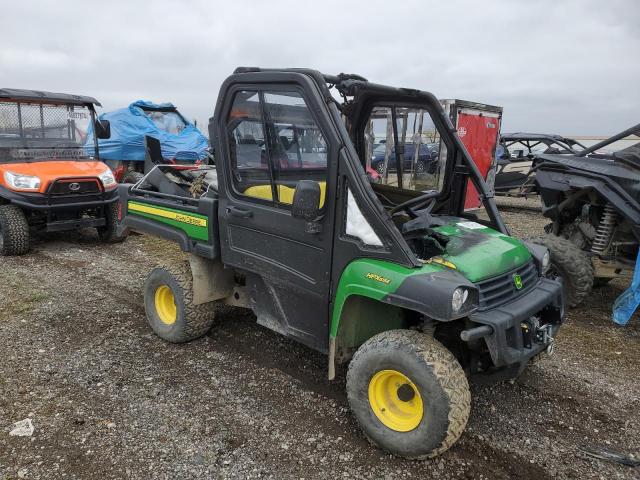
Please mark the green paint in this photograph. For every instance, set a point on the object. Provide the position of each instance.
(195, 232)
(482, 253)
(374, 279)
(477, 253)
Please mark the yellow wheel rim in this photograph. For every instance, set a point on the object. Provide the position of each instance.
(165, 305)
(395, 400)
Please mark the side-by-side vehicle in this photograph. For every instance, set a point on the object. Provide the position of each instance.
(592, 199)
(50, 179)
(514, 173)
(394, 276)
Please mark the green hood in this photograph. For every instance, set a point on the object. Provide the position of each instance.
(479, 252)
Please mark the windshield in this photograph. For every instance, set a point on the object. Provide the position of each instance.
(171, 122)
(41, 131)
(421, 148)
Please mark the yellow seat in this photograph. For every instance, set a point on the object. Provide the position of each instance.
(285, 193)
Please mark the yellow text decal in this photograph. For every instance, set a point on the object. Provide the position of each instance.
(378, 278)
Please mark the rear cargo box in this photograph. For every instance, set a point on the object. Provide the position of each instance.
(190, 222)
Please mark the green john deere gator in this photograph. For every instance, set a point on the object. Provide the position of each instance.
(385, 271)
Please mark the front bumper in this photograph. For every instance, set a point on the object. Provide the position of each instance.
(44, 202)
(506, 329)
(63, 212)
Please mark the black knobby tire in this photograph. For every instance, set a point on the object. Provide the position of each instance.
(131, 176)
(14, 231)
(439, 379)
(570, 263)
(192, 321)
(420, 167)
(380, 168)
(108, 233)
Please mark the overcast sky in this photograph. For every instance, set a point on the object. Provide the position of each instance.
(568, 67)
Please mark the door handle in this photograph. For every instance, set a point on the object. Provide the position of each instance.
(239, 212)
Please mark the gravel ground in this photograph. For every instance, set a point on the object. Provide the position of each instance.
(110, 400)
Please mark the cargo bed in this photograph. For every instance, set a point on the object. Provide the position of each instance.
(165, 204)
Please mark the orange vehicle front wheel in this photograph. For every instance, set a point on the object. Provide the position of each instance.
(14, 231)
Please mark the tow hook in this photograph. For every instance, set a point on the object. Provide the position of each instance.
(543, 334)
(545, 338)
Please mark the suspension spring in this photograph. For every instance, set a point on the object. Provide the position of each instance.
(605, 230)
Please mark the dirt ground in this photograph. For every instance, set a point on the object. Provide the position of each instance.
(110, 400)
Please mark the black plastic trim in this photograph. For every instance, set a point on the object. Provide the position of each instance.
(544, 300)
(40, 202)
(431, 293)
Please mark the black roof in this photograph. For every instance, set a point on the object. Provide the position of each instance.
(40, 96)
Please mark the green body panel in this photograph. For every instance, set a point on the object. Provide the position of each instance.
(482, 253)
(477, 253)
(194, 225)
(374, 279)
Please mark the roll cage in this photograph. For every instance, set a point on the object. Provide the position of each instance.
(532, 140)
(21, 97)
(359, 97)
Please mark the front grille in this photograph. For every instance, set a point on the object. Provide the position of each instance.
(501, 289)
(70, 186)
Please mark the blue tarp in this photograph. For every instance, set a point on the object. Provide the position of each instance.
(130, 125)
(627, 303)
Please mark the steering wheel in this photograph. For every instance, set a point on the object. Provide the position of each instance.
(427, 199)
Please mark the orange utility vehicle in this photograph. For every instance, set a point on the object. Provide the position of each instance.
(49, 178)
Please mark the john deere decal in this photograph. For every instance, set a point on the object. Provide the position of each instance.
(517, 281)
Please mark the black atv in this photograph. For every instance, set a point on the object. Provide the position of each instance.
(514, 160)
(593, 201)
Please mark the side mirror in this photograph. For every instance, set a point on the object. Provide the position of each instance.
(103, 129)
(306, 200)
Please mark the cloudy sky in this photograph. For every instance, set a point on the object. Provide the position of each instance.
(563, 66)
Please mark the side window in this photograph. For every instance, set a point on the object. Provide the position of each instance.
(284, 145)
(297, 148)
(249, 165)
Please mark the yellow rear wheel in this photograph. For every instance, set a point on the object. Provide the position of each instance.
(168, 302)
(165, 305)
(395, 400)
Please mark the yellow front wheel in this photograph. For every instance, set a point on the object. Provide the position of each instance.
(395, 400)
(408, 393)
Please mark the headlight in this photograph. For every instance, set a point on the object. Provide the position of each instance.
(540, 254)
(458, 298)
(107, 178)
(23, 182)
(546, 261)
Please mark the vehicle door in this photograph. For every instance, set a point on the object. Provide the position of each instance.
(272, 135)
